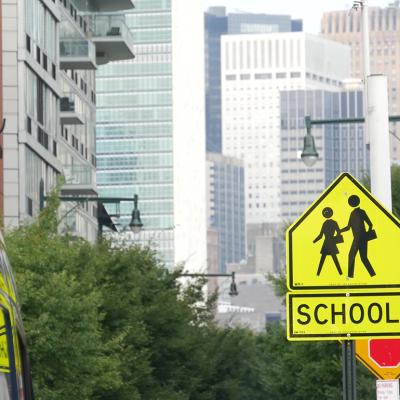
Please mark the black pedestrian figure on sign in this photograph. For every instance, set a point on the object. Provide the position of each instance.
(358, 219)
(331, 231)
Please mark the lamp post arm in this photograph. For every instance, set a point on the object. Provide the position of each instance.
(308, 121)
(207, 275)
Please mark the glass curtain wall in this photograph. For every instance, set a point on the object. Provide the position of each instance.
(134, 126)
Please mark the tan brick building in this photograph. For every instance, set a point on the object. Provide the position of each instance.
(384, 23)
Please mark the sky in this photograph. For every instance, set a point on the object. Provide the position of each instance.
(308, 10)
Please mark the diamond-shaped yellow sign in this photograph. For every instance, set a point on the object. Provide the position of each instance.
(345, 240)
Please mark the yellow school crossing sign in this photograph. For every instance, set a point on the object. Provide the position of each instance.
(345, 240)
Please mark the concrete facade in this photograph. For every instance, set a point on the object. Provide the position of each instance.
(255, 69)
(50, 53)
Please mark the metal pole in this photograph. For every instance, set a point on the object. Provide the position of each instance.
(349, 370)
(378, 127)
(365, 39)
(366, 62)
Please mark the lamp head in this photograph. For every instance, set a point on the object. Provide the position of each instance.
(233, 289)
(309, 154)
(136, 223)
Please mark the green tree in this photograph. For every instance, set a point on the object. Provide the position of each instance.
(60, 304)
(110, 323)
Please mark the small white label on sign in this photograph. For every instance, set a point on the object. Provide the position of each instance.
(387, 390)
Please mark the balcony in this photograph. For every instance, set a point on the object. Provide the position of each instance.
(71, 111)
(80, 180)
(77, 54)
(112, 38)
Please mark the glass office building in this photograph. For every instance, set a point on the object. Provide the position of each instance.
(134, 125)
(341, 147)
(141, 144)
(226, 207)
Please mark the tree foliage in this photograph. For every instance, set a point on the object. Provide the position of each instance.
(108, 323)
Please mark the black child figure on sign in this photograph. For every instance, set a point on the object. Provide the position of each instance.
(331, 231)
(358, 219)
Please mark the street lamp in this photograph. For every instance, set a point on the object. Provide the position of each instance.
(136, 223)
(233, 291)
(309, 154)
(103, 218)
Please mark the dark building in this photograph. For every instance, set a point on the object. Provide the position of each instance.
(216, 24)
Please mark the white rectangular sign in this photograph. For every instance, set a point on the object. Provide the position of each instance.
(387, 390)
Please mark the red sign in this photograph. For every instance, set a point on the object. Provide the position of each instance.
(385, 352)
(380, 356)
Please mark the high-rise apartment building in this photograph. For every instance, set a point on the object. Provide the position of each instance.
(384, 24)
(151, 129)
(341, 147)
(217, 23)
(226, 208)
(51, 50)
(255, 69)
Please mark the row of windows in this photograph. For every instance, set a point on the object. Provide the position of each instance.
(147, 114)
(134, 146)
(300, 192)
(265, 76)
(319, 78)
(153, 5)
(262, 53)
(134, 161)
(152, 36)
(135, 99)
(129, 84)
(152, 20)
(156, 224)
(135, 69)
(132, 130)
(146, 191)
(303, 181)
(149, 207)
(119, 178)
(382, 20)
(294, 203)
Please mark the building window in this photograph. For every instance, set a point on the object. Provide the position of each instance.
(29, 206)
(28, 43)
(29, 125)
(295, 75)
(38, 55)
(43, 138)
(40, 99)
(263, 76)
(281, 75)
(230, 77)
(54, 148)
(244, 77)
(45, 61)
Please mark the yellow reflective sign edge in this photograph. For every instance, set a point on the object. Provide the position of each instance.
(331, 316)
(305, 248)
